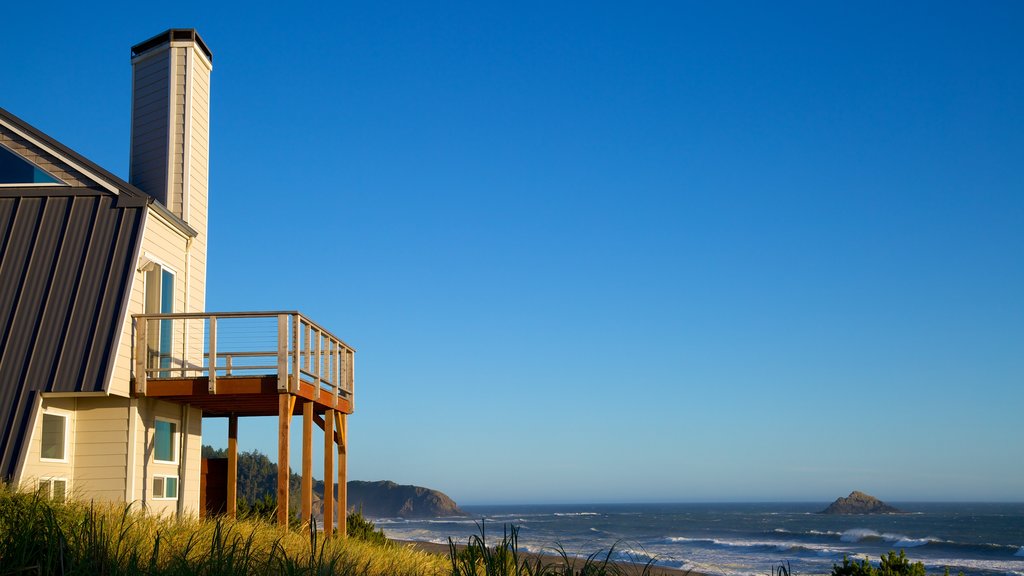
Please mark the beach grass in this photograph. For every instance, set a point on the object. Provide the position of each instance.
(40, 536)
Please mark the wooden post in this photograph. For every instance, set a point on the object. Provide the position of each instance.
(318, 364)
(213, 355)
(296, 354)
(284, 418)
(342, 474)
(282, 352)
(232, 466)
(307, 461)
(141, 355)
(328, 473)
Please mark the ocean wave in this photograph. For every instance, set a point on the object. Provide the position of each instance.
(576, 514)
(807, 532)
(857, 535)
(900, 540)
(770, 545)
(1009, 567)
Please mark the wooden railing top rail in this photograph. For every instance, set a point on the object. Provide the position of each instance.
(256, 314)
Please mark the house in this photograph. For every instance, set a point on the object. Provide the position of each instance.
(109, 360)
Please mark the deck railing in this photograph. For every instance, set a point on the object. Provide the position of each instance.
(285, 344)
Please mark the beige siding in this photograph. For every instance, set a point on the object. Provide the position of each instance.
(100, 463)
(187, 469)
(35, 468)
(150, 104)
(175, 201)
(199, 162)
(167, 245)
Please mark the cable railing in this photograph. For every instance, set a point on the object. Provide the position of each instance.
(235, 344)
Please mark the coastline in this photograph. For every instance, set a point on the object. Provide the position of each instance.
(631, 568)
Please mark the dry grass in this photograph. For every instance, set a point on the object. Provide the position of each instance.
(42, 537)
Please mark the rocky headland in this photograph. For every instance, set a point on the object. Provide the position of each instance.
(386, 499)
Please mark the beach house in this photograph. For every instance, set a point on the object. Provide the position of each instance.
(109, 360)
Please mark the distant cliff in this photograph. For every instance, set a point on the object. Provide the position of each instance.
(385, 499)
(257, 490)
(859, 503)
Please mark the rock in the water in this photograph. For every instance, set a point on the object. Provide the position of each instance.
(385, 499)
(859, 503)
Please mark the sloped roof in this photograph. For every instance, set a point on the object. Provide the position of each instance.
(67, 256)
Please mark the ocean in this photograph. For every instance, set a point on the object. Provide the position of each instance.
(748, 539)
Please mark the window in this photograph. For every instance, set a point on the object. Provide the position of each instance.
(16, 170)
(159, 298)
(165, 487)
(165, 441)
(54, 488)
(54, 445)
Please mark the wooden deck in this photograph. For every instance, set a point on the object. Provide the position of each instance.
(240, 395)
(241, 364)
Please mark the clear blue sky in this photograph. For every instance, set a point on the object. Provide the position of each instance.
(598, 252)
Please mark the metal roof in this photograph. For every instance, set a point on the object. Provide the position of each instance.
(67, 257)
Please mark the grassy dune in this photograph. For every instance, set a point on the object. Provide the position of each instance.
(38, 536)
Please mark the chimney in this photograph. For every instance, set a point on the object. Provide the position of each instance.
(171, 122)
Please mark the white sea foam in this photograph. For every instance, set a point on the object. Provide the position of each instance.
(783, 546)
(900, 540)
(1009, 567)
(576, 514)
(858, 534)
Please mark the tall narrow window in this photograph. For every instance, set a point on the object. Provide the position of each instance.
(165, 442)
(160, 335)
(54, 445)
(166, 307)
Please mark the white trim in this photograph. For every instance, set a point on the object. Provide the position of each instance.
(172, 225)
(186, 133)
(133, 441)
(92, 175)
(37, 410)
(169, 151)
(66, 415)
(149, 258)
(164, 477)
(60, 184)
(175, 440)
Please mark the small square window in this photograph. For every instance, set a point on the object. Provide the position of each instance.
(54, 437)
(165, 441)
(165, 487)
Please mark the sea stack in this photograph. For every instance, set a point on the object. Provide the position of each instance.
(859, 503)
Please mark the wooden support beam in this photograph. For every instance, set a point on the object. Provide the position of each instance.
(307, 462)
(339, 418)
(232, 509)
(328, 473)
(284, 418)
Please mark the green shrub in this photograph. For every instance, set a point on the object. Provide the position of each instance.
(362, 529)
(892, 564)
